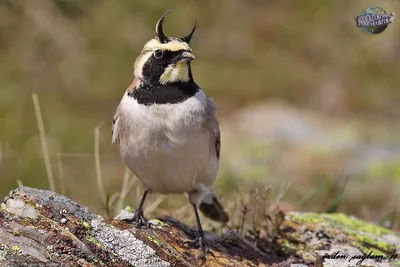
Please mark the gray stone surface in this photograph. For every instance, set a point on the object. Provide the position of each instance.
(125, 244)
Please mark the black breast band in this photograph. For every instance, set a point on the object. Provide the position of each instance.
(170, 93)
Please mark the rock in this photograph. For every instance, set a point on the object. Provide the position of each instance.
(340, 240)
(42, 228)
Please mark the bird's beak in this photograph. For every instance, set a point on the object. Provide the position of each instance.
(186, 57)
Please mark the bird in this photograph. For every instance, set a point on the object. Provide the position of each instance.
(166, 129)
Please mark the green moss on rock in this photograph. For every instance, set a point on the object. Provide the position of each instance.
(314, 232)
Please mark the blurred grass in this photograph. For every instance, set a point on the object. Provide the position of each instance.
(78, 57)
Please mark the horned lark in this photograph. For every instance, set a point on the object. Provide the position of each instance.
(167, 130)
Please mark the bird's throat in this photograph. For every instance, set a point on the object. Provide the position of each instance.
(179, 72)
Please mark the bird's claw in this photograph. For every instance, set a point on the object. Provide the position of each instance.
(138, 220)
(199, 243)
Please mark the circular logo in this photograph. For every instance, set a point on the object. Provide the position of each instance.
(374, 20)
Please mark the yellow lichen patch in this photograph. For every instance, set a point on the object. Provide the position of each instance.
(156, 222)
(340, 220)
(356, 224)
(363, 235)
(129, 209)
(86, 225)
(97, 261)
(155, 241)
(94, 241)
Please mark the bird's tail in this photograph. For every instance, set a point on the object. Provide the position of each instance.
(211, 208)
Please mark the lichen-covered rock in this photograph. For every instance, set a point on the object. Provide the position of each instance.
(340, 240)
(42, 228)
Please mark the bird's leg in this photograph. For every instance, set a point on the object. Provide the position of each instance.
(199, 241)
(138, 218)
(200, 234)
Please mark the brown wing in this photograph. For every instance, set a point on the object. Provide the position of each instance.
(211, 123)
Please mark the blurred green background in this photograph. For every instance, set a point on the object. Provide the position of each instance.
(308, 102)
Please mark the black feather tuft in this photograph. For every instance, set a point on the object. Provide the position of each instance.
(214, 211)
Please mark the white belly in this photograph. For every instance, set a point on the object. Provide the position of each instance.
(173, 167)
(167, 148)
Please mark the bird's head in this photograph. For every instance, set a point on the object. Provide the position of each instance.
(165, 59)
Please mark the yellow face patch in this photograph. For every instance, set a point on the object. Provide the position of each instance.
(174, 45)
(175, 73)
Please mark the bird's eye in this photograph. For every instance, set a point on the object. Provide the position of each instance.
(158, 54)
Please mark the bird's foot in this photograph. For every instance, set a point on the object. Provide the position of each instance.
(199, 242)
(138, 219)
